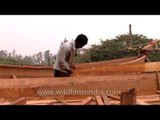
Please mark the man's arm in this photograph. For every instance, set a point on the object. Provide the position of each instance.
(72, 59)
(63, 59)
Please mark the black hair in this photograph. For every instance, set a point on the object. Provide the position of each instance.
(82, 39)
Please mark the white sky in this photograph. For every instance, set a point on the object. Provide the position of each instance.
(30, 34)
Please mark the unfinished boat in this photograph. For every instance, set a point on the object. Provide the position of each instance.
(99, 83)
(15, 71)
(94, 68)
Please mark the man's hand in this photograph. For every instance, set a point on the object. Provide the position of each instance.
(73, 67)
(69, 71)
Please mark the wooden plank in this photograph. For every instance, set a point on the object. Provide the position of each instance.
(152, 101)
(57, 104)
(68, 102)
(41, 102)
(102, 70)
(105, 99)
(50, 102)
(141, 102)
(75, 103)
(86, 101)
(114, 97)
(128, 97)
(99, 100)
(5, 103)
(154, 96)
(20, 101)
(107, 62)
(76, 100)
(113, 102)
(158, 80)
(62, 101)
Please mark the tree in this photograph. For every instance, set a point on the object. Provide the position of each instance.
(13, 53)
(52, 58)
(38, 58)
(115, 48)
(82, 57)
(47, 58)
(28, 60)
(3, 54)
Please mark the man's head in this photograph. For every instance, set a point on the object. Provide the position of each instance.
(81, 41)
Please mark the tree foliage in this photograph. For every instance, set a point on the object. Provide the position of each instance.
(116, 48)
(40, 58)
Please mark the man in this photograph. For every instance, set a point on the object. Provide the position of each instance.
(65, 55)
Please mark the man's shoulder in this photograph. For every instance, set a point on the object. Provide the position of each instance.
(66, 45)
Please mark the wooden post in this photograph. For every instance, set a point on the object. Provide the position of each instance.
(130, 35)
(128, 97)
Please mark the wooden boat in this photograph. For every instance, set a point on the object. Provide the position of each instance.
(91, 83)
(11, 71)
(76, 88)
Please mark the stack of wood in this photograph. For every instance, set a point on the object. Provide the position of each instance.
(126, 98)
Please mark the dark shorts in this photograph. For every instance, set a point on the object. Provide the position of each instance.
(58, 73)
